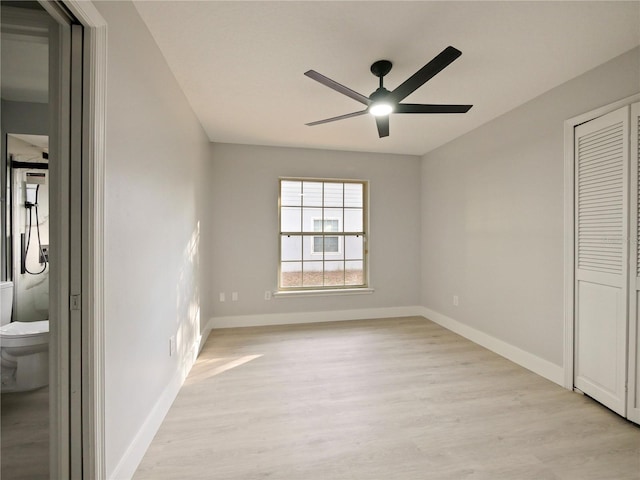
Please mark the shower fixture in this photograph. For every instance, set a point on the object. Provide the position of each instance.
(32, 187)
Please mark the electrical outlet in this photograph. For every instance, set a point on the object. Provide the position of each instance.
(267, 294)
(172, 345)
(456, 300)
(222, 297)
(234, 296)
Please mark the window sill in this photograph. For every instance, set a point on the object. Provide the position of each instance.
(321, 293)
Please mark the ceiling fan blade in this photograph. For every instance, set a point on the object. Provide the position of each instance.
(333, 119)
(318, 77)
(415, 81)
(427, 108)
(383, 126)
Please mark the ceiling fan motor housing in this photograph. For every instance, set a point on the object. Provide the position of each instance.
(379, 95)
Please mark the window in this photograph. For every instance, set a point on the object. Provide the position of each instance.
(326, 244)
(322, 234)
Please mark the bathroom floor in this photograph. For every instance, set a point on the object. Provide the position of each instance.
(24, 435)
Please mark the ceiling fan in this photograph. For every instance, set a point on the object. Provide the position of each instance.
(382, 102)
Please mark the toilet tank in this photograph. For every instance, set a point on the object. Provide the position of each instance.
(6, 302)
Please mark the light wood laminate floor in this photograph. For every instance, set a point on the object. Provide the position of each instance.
(24, 435)
(381, 399)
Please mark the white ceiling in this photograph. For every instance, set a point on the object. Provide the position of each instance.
(241, 64)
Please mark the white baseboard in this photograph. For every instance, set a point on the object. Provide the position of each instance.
(132, 457)
(203, 339)
(260, 320)
(532, 362)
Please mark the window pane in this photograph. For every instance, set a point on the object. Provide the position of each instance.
(333, 219)
(331, 245)
(353, 220)
(309, 250)
(353, 247)
(291, 274)
(290, 247)
(354, 273)
(353, 195)
(333, 274)
(290, 219)
(310, 216)
(290, 193)
(312, 194)
(317, 244)
(312, 274)
(333, 194)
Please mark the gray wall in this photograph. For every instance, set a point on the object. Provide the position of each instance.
(492, 214)
(155, 169)
(25, 117)
(244, 214)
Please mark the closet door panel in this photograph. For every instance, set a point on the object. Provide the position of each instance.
(602, 252)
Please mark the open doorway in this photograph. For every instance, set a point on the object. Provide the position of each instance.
(24, 333)
(76, 43)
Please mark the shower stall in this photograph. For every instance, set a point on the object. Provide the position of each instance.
(27, 226)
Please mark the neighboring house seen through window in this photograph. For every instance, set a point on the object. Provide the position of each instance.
(322, 234)
(326, 244)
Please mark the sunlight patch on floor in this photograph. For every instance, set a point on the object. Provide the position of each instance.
(207, 368)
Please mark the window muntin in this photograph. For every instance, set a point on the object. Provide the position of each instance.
(322, 234)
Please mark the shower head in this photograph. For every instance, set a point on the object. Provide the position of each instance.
(31, 194)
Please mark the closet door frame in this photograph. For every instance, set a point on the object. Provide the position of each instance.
(633, 358)
(569, 229)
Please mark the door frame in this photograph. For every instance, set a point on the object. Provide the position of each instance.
(569, 229)
(633, 353)
(81, 451)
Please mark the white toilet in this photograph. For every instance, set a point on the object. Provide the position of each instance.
(24, 348)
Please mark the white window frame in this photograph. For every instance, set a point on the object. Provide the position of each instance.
(328, 289)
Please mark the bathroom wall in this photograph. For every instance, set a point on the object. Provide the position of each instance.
(155, 211)
(492, 215)
(31, 290)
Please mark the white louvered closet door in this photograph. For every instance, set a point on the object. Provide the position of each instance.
(633, 395)
(602, 252)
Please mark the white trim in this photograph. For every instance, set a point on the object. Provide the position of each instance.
(134, 453)
(321, 293)
(633, 375)
(94, 141)
(532, 362)
(569, 275)
(568, 246)
(59, 271)
(260, 320)
(203, 339)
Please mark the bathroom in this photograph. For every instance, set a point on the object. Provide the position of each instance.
(25, 220)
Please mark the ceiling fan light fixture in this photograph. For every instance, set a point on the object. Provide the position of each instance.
(380, 109)
(382, 102)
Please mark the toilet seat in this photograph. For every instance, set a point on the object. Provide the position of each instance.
(21, 334)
